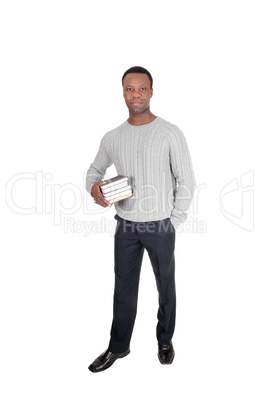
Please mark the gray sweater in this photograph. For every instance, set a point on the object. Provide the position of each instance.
(156, 159)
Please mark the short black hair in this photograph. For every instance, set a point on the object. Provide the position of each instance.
(138, 69)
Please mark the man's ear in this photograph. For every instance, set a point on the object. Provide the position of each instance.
(151, 92)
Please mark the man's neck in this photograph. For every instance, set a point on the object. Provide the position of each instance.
(141, 119)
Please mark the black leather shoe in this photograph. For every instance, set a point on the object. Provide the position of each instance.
(105, 360)
(166, 353)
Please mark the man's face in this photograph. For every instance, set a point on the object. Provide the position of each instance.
(137, 92)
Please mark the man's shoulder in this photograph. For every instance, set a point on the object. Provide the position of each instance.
(165, 124)
(111, 133)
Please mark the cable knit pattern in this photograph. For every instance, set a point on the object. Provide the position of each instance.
(156, 159)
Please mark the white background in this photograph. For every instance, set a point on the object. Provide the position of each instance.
(61, 68)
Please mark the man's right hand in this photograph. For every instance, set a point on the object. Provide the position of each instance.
(98, 197)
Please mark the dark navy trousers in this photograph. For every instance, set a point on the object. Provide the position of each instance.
(131, 239)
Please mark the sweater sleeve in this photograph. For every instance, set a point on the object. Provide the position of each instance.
(98, 168)
(182, 170)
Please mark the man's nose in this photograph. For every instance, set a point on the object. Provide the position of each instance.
(136, 94)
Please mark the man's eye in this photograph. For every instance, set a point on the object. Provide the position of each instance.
(129, 89)
(142, 89)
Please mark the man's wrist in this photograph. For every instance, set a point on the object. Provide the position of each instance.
(177, 218)
(91, 191)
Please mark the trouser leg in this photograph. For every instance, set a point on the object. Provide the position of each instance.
(128, 254)
(159, 244)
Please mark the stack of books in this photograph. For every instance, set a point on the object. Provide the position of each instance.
(116, 189)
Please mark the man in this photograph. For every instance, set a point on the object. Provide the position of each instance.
(154, 155)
